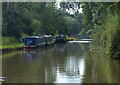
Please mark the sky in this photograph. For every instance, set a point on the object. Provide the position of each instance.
(71, 11)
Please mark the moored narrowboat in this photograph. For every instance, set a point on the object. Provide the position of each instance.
(60, 39)
(37, 41)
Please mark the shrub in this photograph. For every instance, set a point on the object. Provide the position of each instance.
(108, 35)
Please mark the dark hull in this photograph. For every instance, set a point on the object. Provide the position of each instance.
(61, 41)
(30, 47)
(38, 46)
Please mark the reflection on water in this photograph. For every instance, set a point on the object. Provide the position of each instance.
(63, 63)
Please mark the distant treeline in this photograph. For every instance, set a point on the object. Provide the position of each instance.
(26, 18)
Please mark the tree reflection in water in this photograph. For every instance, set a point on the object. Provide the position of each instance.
(63, 63)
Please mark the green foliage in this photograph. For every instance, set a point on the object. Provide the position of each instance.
(9, 41)
(87, 11)
(20, 19)
(107, 33)
(72, 25)
(102, 19)
(14, 21)
(114, 51)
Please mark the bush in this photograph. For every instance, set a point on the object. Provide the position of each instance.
(115, 45)
(108, 35)
(111, 30)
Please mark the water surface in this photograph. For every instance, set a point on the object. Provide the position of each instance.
(73, 62)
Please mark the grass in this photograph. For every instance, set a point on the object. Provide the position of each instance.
(68, 38)
(10, 43)
(12, 46)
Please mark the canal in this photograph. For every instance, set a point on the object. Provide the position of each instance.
(73, 62)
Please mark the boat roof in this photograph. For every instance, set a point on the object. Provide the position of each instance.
(47, 35)
(38, 36)
(32, 37)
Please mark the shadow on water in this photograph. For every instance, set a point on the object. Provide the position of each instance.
(72, 62)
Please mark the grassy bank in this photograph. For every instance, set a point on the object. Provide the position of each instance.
(11, 43)
(12, 46)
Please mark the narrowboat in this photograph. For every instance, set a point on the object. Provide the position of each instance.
(37, 41)
(60, 39)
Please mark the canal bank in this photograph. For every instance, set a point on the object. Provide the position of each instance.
(11, 47)
(10, 43)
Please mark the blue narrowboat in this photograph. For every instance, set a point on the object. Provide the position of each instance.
(37, 41)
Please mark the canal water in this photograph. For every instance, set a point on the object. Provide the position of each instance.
(73, 62)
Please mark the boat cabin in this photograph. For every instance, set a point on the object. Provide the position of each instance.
(37, 41)
(60, 39)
